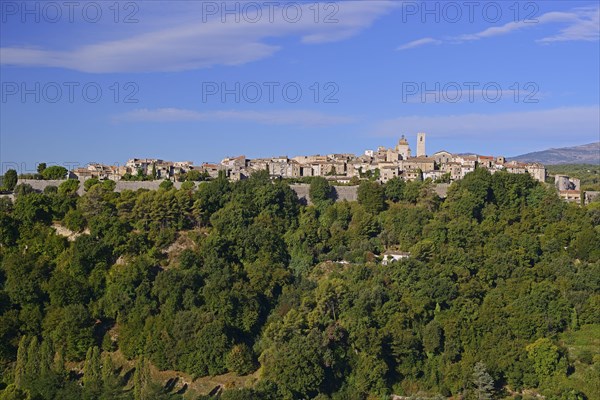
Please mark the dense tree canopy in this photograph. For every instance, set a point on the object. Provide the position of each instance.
(54, 172)
(233, 277)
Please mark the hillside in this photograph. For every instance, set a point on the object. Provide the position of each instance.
(237, 290)
(584, 154)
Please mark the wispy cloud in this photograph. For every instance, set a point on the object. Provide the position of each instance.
(284, 117)
(201, 44)
(418, 43)
(586, 28)
(575, 122)
(582, 25)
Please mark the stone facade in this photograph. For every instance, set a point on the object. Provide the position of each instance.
(384, 163)
(421, 145)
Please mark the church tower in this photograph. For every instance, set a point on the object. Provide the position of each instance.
(402, 148)
(421, 145)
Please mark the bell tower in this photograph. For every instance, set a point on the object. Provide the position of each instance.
(421, 145)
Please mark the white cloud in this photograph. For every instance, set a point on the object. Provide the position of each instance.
(582, 25)
(418, 43)
(197, 44)
(575, 122)
(285, 117)
(585, 28)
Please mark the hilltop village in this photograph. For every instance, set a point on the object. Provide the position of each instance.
(382, 165)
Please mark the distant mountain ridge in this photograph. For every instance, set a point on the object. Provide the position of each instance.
(584, 154)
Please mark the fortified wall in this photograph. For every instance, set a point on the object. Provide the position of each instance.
(342, 192)
(349, 193)
(40, 185)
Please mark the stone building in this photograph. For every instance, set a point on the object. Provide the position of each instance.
(537, 171)
(421, 145)
(402, 148)
(591, 196)
(564, 182)
(571, 196)
(442, 157)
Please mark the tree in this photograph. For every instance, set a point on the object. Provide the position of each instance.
(188, 185)
(10, 179)
(109, 185)
(92, 378)
(50, 190)
(32, 366)
(21, 362)
(321, 193)
(59, 362)
(240, 360)
(68, 187)
(74, 220)
(46, 358)
(545, 356)
(166, 185)
(482, 381)
(369, 373)
(12, 392)
(41, 168)
(283, 363)
(371, 196)
(394, 189)
(112, 384)
(88, 183)
(55, 172)
(141, 379)
(412, 191)
(72, 326)
(433, 338)
(194, 175)
(23, 189)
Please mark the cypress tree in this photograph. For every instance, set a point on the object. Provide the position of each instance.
(141, 378)
(108, 368)
(59, 363)
(46, 357)
(32, 366)
(21, 362)
(92, 378)
(112, 385)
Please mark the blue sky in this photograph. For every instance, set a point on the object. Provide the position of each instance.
(181, 80)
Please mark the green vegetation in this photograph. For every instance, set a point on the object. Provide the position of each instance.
(583, 352)
(10, 180)
(589, 174)
(499, 298)
(54, 172)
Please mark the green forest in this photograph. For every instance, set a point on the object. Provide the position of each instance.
(151, 294)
